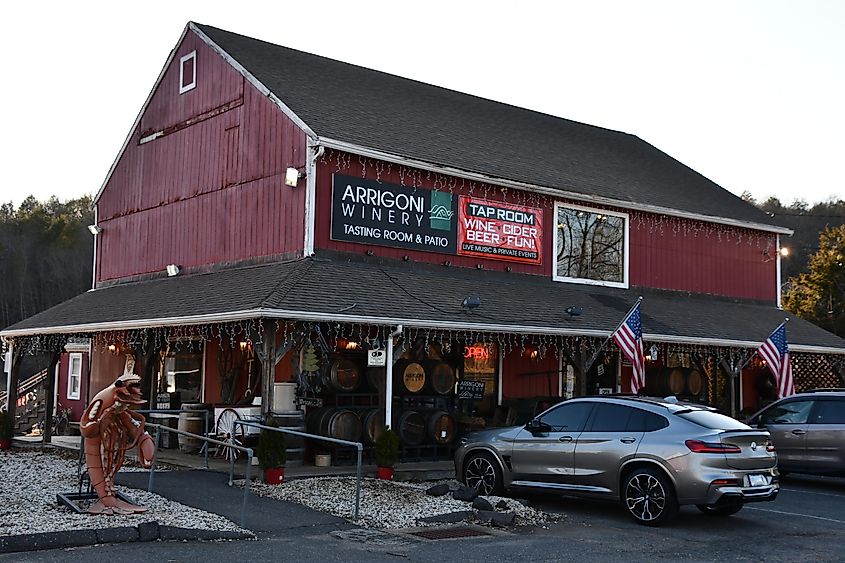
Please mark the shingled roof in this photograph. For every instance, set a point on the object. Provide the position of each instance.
(406, 118)
(353, 289)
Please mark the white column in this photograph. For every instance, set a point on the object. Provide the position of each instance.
(388, 382)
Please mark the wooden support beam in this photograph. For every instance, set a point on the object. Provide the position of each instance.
(267, 357)
(14, 379)
(50, 385)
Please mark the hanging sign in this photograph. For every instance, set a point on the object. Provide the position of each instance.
(376, 358)
(493, 229)
(369, 212)
(470, 389)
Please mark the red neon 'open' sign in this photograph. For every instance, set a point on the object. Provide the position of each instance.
(477, 352)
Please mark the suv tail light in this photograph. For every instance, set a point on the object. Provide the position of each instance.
(770, 447)
(699, 447)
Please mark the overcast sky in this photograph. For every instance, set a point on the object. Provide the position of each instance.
(751, 94)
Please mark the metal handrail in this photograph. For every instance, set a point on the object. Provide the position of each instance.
(179, 411)
(358, 445)
(208, 440)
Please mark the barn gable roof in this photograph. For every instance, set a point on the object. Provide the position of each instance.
(366, 108)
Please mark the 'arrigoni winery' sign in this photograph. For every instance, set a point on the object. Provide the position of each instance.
(367, 212)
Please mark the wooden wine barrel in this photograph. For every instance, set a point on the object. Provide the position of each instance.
(676, 382)
(342, 424)
(295, 445)
(441, 376)
(411, 428)
(441, 427)
(372, 425)
(409, 377)
(192, 422)
(695, 383)
(344, 375)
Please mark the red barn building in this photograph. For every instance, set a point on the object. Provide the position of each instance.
(275, 217)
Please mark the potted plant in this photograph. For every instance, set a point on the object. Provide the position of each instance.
(272, 453)
(387, 454)
(6, 430)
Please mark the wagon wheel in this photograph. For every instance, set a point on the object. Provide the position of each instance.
(227, 432)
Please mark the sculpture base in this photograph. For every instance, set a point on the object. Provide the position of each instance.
(82, 502)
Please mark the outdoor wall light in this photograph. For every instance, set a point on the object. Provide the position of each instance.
(173, 270)
(573, 311)
(784, 251)
(292, 176)
(471, 302)
(95, 229)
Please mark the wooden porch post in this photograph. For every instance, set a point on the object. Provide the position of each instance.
(268, 366)
(14, 377)
(50, 384)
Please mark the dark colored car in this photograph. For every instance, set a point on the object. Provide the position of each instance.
(651, 454)
(808, 430)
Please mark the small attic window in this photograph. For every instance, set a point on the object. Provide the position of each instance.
(188, 72)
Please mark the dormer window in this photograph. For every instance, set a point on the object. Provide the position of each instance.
(188, 72)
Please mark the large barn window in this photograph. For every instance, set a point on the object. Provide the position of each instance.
(188, 72)
(591, 246)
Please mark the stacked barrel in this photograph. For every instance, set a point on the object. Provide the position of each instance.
(350, 413)
(429, 386)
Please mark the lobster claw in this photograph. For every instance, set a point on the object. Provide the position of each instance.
(146, 451)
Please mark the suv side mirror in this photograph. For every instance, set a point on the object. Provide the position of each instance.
(537, 426)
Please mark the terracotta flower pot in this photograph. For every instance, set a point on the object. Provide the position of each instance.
(385, 473)
(5, 444)
(274, 476)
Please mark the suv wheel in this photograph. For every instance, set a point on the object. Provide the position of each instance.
(649, 497)
(722, 510)
(482, 473)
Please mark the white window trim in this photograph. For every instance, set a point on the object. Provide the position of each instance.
(625, 250)
(73, 396)
(182, 86)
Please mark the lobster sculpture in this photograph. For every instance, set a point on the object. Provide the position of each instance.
(110, 428)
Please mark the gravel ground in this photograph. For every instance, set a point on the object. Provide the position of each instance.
(29, 482)
(386, 504)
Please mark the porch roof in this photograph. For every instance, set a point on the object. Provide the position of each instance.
(341, 288)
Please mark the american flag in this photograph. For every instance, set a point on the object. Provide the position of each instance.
(629, 338)
(775, 351)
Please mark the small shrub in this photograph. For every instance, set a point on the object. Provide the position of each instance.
(271, 449)
(387, 449)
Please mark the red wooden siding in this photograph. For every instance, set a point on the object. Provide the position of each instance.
(702, 263)
(665, 253)
(523, 377)
(212, 188)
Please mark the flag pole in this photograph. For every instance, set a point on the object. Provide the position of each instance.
(595, 355)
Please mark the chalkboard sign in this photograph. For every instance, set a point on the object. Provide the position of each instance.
(470, 389)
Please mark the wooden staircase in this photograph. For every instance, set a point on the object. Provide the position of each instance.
(31, 402)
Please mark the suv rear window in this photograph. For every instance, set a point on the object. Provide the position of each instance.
(712, 420)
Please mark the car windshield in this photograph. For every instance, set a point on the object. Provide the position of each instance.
(712, 420)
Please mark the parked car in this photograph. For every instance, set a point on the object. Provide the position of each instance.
(808, 430)
(651, 454)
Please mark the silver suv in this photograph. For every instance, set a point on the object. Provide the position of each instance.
(651, 454)
(808, 430)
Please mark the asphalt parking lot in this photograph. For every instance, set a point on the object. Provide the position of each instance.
(805, 523)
